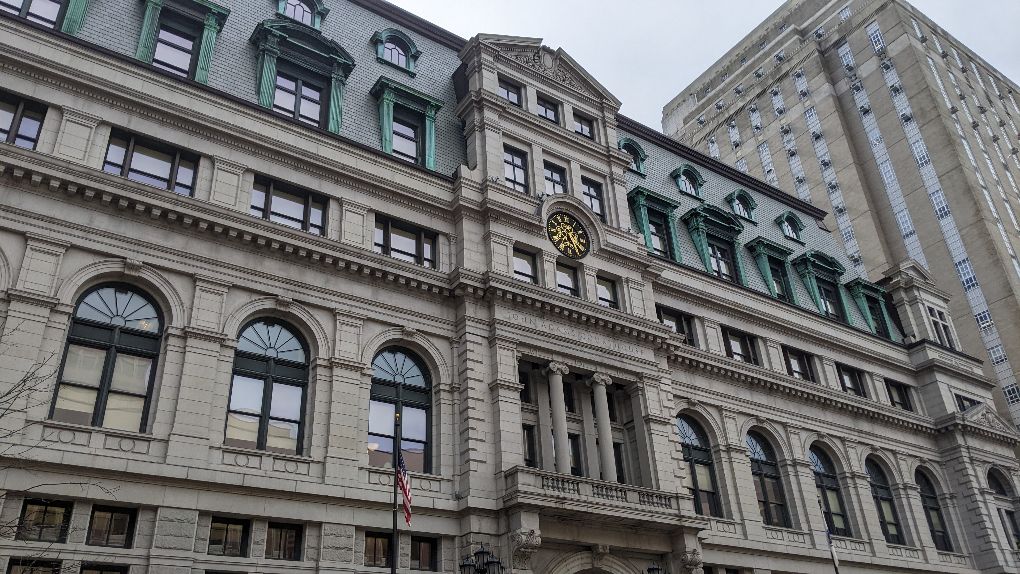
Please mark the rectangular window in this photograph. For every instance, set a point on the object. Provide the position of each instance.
(829, 294)
(20, 120)
(423, 553)
(377, 549)
(963, 403)
(720, 255)
(524, 377)
(780, 280)
(584, 126)
(510, 92)
(405, 242)
(844, 13)
(740, 346)
(44, 520)
(300, 99)
(851, 379)
(549, 110)
(555, 179)
(525, 268)
(176, 47)
(1009, 523)
(592, 191)
(899, 395)
(283, 541)
(878, 317)
(228, 537)
(576, 465)
(568, 397)
(111, 526)
(679, 323)
(515, 168)
(659, 232)
(31, 565)
(566, 280)
(621, 475)
(875, 35)
(530, 451)
(45, 12)
(151, 162)
(606, 289)
(406, 140)
(799, 364)
(292, 206)
(940, 324)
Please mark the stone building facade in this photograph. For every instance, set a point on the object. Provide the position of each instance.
(237, 239)
(906, 136)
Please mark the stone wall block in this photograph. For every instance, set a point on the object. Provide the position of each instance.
(175, 528)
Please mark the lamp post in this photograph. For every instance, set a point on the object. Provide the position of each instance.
(481, 562)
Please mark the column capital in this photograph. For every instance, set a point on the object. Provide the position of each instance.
(558, 368)
(601, 379)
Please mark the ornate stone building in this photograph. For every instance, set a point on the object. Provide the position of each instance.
(236, 240)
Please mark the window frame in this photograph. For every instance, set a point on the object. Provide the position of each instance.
(33, 565)
(299, 539)
(657, 218)
(828, 481)
(576, 455)
(117, 342)
(551, 172)
(309, 197)
(511, 157)
(548, 109)
(722, 250)
(530, 446)
(67, 506)
(899, 395)
(300, 77)
(790, 354)
(583, 123)
(387, 554)
(575, 290)
(858, 386)
(765, 471)
(21, 106)
(532, 259)
(747, 343)
(384, 391)
(930, 504)
(780, 277)
(593, 197)
(180, 26)
(433, 543)
(405, 120)
(133, 141)
(697, 454)
(883, 492)
(611, 287)
(965, 403)
(243, 548)
(422, 237)
(680, 318)
(24, 12)
(834, 305)
(941, 326)
(506, 87)
(132, 514)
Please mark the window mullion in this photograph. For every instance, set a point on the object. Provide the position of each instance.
(129, 153)
(99, 410)
(175, 164)
(267, 402)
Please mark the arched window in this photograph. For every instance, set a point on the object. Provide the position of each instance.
(829, 493)
(267, 393)
(687, 184)
(394, 53)
(636, 153)
(881, 491)
(701, 474)
(741, 209)
(999, 483)
(110, 360)
(790, 225)
(400, 385)
(395, 47)
(933, 512)
(299, 11)
(768, 483)
(742, 204)
(688, 180)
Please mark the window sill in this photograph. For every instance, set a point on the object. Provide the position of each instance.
(395, 66)
(257, 452)
(88, 428)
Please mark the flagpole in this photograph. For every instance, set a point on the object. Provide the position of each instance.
(828, 538)
(396, 468)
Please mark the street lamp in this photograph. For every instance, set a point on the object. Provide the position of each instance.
(482, 562)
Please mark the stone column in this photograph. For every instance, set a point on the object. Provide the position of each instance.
(598, 383)
(337, 83)
(555, 372)
(210, 28)
(150, 27)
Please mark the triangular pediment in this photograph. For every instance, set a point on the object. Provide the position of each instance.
(554, 64)
(913, 269)
(985, 415)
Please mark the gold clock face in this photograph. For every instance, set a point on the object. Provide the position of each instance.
(568, 235)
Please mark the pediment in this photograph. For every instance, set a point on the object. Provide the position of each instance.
(554, 64)
(985, 415)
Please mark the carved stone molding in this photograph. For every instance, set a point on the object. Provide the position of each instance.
(558, 368)
(601, 379)
(524, 543)
(691, 561)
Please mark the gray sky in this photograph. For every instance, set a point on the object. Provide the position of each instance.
(683, 37)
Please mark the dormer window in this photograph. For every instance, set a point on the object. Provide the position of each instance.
(407, 122)
(299, 11)
(742, 204)
(397, 49)
(688, 180)
(821, 274)
(637, 155)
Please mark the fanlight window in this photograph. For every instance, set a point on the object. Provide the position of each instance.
(299, 11)
(687, 184)
(267, 394)
(394, 53)
(768, 483)
(701, 474)
(741, 209)
(110, 360)
(400, 385)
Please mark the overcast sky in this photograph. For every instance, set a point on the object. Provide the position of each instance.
(646, 51)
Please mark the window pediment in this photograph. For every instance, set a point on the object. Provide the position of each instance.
(762, 246)
(303, 46)
(713, 220)
(819, 264)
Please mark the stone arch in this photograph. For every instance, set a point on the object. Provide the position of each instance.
(1004, 477)
(831, 447)
(442, 373)
(935, 474)
(771, 432)
(577, 208)
(295, 314)
(700, 413)
(586, 561)
(885, 460)
(153, 282)
(5, 273)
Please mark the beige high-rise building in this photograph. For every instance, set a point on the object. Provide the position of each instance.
(909, 139)
(238, 238)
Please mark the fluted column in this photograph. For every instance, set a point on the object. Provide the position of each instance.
(598, 383)
(558, 406)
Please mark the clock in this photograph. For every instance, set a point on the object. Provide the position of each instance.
(568, 235)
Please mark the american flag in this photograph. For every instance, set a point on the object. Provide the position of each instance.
(404, 482)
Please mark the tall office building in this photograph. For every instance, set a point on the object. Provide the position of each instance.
(238, 239)
(909, 139)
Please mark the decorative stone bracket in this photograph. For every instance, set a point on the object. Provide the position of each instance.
(524, 543)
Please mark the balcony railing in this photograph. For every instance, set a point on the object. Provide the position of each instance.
(535, 487)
